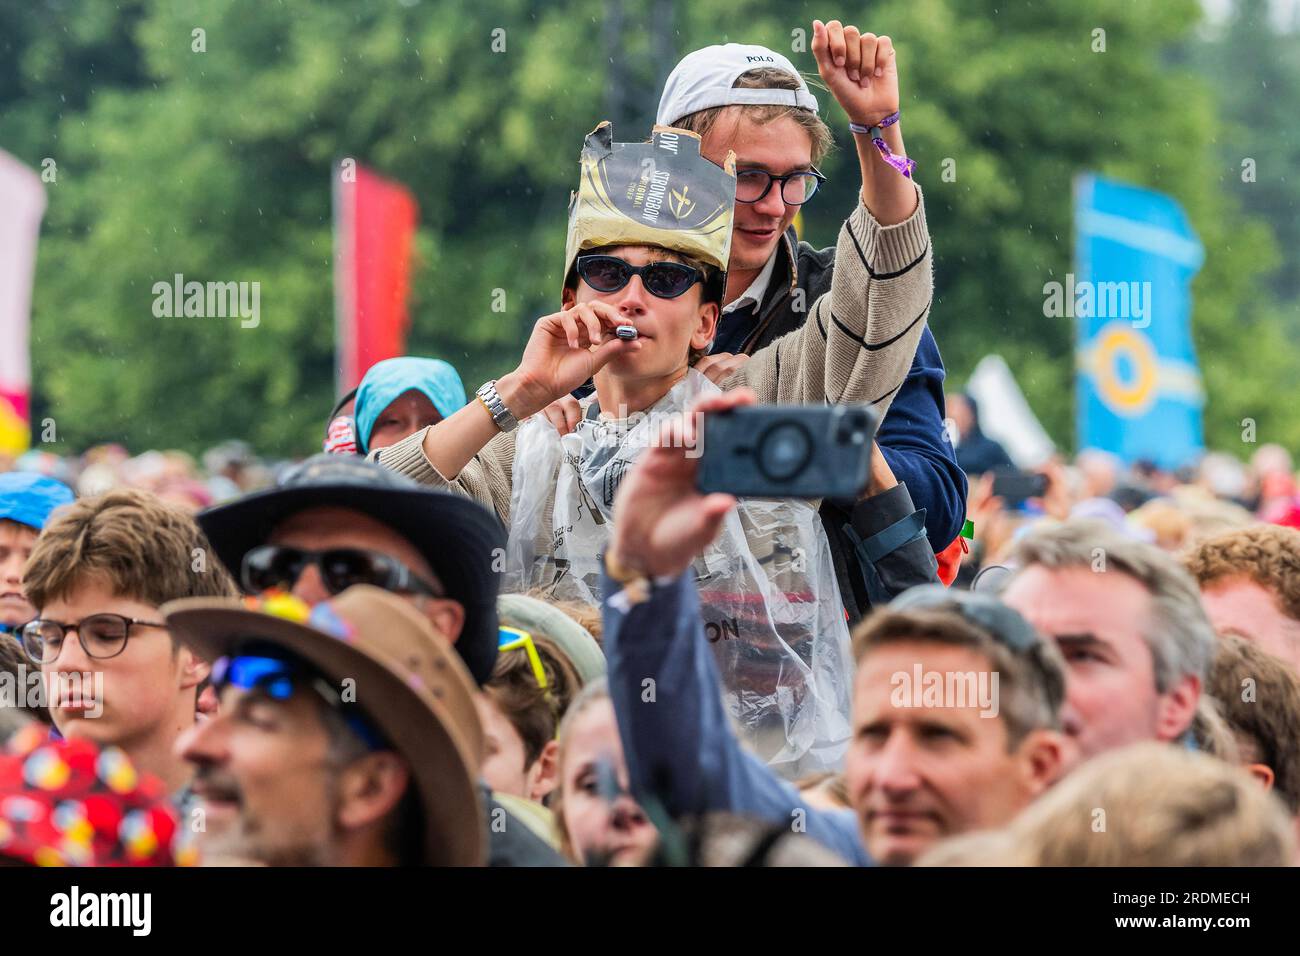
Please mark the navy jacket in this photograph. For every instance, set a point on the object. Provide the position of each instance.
(912, 437)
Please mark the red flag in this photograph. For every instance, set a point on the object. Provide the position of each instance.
(374, 226)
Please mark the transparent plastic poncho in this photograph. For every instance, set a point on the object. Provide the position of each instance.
(769, 598)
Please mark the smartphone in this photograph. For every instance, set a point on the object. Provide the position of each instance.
(788, 451)
(1013, 487)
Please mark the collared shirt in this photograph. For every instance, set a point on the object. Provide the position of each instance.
(757, 289)
(737, 319)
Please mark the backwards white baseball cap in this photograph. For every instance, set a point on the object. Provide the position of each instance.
(704, 79)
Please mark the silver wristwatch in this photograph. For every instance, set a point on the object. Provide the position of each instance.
(487, 394)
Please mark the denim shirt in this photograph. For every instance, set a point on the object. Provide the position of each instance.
(677, 738)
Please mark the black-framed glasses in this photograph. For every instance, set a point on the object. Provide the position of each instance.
(796, 188)
(666, 280)
(279, 566)
(101, 636)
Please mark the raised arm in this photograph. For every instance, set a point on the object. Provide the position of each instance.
(467, 451)
(564, 350)
(680, 748)
(859, 341)
(861, 71)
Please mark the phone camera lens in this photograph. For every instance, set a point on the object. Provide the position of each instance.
(852, 428)
(784, 450)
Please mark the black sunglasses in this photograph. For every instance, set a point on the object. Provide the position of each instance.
(271, 566)
(666, 280)
(984, 611)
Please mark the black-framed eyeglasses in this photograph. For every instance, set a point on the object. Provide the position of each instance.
(664, 279)
(279, 566)
(101, 636)
(796, 188)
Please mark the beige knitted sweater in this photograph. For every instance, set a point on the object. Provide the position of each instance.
(856, 347)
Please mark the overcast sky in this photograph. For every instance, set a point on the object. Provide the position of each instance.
(1284, 11)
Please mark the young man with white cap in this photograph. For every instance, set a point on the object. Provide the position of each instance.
(752, 100)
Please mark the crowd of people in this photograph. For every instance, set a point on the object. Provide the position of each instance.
(509, 629)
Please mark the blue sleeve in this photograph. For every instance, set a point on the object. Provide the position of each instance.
(915, 444)
(677, 739)
(888, 538)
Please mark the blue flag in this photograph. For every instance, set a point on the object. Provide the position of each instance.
(1139, 391)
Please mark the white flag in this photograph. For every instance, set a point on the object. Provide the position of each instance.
(1005, 416)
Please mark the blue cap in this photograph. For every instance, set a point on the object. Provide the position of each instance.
(28, 498)
(391, 378)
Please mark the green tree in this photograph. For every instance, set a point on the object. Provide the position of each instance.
(216, 165)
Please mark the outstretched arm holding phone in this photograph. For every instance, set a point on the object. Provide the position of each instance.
(677, 739)
(677, 736)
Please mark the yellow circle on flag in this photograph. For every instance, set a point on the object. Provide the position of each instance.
(1129, 397)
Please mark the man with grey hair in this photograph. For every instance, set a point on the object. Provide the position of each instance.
(1128, 621)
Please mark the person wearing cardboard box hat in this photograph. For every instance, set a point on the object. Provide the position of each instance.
(347, 734)
(752, 100)
(649, 223)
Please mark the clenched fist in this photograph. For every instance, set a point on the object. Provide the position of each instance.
(859, 69)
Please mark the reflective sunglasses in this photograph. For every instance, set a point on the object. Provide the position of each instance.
(1002, 623)
(666, 280)
(981, 609)
(275, 566)
(279, 679)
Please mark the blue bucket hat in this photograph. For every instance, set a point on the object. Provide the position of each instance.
(29, 498)
(435, 379)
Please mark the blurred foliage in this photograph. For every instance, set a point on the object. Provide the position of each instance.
(217, 165)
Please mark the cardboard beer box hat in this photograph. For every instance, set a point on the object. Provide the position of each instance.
(660, 193)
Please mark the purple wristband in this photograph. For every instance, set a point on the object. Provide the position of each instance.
(902, 164)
